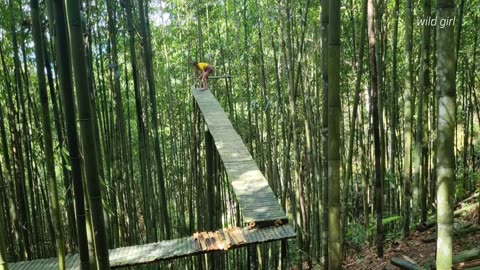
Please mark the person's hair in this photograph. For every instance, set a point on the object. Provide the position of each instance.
(194, 63)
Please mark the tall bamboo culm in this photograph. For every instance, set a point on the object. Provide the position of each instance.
(445, 162)
(47, 134)
(334, 113)
(77, 51)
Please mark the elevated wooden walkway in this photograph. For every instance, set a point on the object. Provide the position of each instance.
(259, 206)
(254, 195)
(203, 242)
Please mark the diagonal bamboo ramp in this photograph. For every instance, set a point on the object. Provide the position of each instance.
(259, 207)
(254, 195)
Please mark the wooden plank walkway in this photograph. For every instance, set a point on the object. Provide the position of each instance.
(227, 76)
(254, 195)
(257, 202)
(218, 241)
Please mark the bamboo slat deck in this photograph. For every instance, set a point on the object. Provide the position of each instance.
(219, 241)
(254, 195)
(226, 76)
(257, 202)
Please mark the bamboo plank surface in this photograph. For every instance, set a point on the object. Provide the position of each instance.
(216, 241)
(220, 76)
(255, 197)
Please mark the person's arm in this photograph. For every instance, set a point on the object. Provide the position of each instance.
(197, 69)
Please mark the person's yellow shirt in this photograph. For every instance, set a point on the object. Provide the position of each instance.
(202, 66)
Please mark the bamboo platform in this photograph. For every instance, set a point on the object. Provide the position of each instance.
(259, 207)
(226, 76)
(199, 243)
(254, 195)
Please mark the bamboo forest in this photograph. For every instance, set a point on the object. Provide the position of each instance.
(239, 134)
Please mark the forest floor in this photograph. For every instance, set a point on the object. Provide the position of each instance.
(413, 248)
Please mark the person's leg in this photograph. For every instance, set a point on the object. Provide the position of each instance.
(205, 78)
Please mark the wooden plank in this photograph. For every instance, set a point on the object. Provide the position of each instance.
(249, 184)
(262, 213)
(230, 240)
(211, 235)
(220, 76)
(180, 248)
(219, 122)
(208, 242)
(72, 261)
(234, 235)
(193, 246)
(198, 246)
(265, 235)
(202, 241)
(47, 264)
(17, 266)
(50, 264)
(187, 244)
(38, 265)
(220, 240)
(226, 239)
(239, 235)
(169, 249)
(22, 265)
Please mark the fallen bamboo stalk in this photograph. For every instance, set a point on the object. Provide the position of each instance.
(404, 264)
(468, 199)
(466, 265)
(432, 222)
(464, 256)
(460, 232)
(467, 255)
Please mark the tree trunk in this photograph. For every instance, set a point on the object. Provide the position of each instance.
(334, 112)
(17, 116)
(445, 134)
(408, 112)
(393, 109)
(89, 143)
(140, 115)
(47, 134)
(164, 220)
(376, 126)
(3, 254)
(324, 134)
(421, 168)
(356, 99)
(66, 85)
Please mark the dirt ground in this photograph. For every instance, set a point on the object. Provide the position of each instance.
(412, 248)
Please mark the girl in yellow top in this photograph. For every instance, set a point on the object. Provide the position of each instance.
(206, 70)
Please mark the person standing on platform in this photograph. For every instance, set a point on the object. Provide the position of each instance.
(206, 70)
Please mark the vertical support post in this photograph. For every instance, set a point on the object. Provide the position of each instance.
(260, 260)
(196, 173)
(283, 256)
(209, 222)
(3, 254)
(252, 257)
(209, 152)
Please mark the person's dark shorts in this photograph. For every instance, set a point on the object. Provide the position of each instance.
(209, 70)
